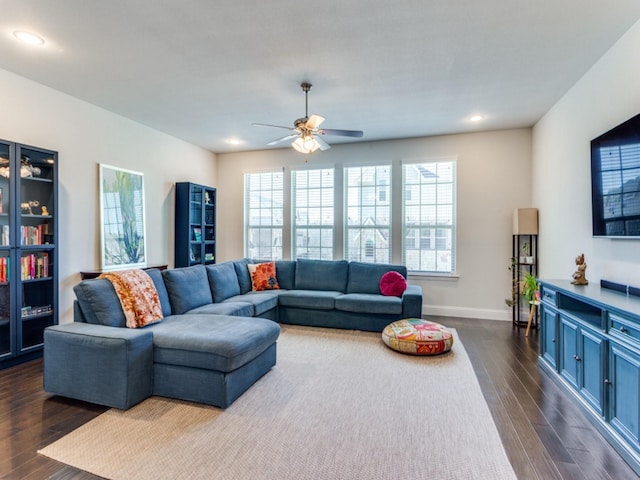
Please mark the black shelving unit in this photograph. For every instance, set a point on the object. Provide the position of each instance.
(195, 225)
(524, 258)
(28, 249)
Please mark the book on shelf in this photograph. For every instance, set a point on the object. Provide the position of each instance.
(4, 236)
(1, 200)
(35, 266)
(5, 269)
(34, 235)
(197, 234)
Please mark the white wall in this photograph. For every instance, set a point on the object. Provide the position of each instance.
(85, 136)
(493, 179)
(607, 95)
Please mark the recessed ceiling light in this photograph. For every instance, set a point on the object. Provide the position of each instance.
(28, 38)
(234, 141)
(476, 118)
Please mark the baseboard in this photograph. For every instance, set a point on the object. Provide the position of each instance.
(485, 314)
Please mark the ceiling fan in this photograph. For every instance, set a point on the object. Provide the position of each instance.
(306, 130)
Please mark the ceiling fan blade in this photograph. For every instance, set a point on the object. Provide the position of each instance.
(268, 125)
(286, 137)
(314, 121)
(323, 145)
(341, 133)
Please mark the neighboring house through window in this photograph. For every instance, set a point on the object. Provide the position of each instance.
(429, 216)
(264, 208)
(313, 213)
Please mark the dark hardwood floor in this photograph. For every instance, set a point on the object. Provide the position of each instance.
(545, 435)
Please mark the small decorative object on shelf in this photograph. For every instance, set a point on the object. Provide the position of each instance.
(44, 210)
(579, 277)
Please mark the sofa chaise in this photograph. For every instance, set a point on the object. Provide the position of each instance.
(217, 336)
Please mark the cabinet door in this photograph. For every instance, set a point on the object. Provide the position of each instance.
(36, 241)
(624, 404)
(7, 333)
(569, 350)
(549, 328)
(591, 359)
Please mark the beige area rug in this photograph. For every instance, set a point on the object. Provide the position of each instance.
(338, 405)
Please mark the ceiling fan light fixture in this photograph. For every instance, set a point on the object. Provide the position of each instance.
(306, 144)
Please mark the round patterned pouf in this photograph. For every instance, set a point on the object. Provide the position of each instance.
(417, 337)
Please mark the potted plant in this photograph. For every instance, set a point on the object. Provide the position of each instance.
(530, 287)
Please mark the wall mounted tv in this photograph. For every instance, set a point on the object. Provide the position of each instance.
(615, 181)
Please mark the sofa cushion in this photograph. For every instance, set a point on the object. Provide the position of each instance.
(260, 301)
(286, 274)
(365, 277)
(212, 342)
(237, 309)
(315, 299)
(393, 284)
(369, 303)
(99, 303)
(188, 288)
(328, 275)
(163, 296)
(263, 276)
(223, 280)
(244, 280)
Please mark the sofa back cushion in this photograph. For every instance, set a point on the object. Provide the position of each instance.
(322, 275)
(242, 271)
(223, 280)
(99, 303)
(365, 277)
(286, 274)
(163, 295)
(188, 288)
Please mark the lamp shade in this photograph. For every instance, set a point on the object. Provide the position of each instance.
(525, 221)
(306, 144)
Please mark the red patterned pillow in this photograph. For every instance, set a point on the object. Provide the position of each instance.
(392, 284)
(263, 276)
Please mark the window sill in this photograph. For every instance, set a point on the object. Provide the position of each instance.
(434, 275)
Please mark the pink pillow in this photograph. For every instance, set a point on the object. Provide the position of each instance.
(392, 284)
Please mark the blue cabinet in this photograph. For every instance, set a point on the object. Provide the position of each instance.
(590, 344)
(549, 334)
(582, 363)
(195, 225)
(624, 400)
(28, 249)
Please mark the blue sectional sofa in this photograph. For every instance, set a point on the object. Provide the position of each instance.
(217, 336)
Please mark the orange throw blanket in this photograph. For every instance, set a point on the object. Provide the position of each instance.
(138, 296)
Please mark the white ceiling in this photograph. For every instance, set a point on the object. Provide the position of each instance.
(204, 70)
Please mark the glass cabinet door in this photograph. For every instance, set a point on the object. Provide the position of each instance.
(37, 241)
(5, 250)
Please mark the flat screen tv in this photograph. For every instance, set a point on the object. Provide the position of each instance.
(615, 181)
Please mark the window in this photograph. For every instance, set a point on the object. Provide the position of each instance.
(263, 204)
(428, 222)
(368, 214)
(313, 215)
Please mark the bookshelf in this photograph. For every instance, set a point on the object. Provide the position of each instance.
(195, 225)
(28, 250)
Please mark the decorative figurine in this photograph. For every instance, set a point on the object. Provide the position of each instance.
(26, 206)
(44, 210)
(579, 277)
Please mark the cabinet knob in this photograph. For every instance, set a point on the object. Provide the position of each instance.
(607, 381)
(553, 340)
(623, 330)
(577, 358)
